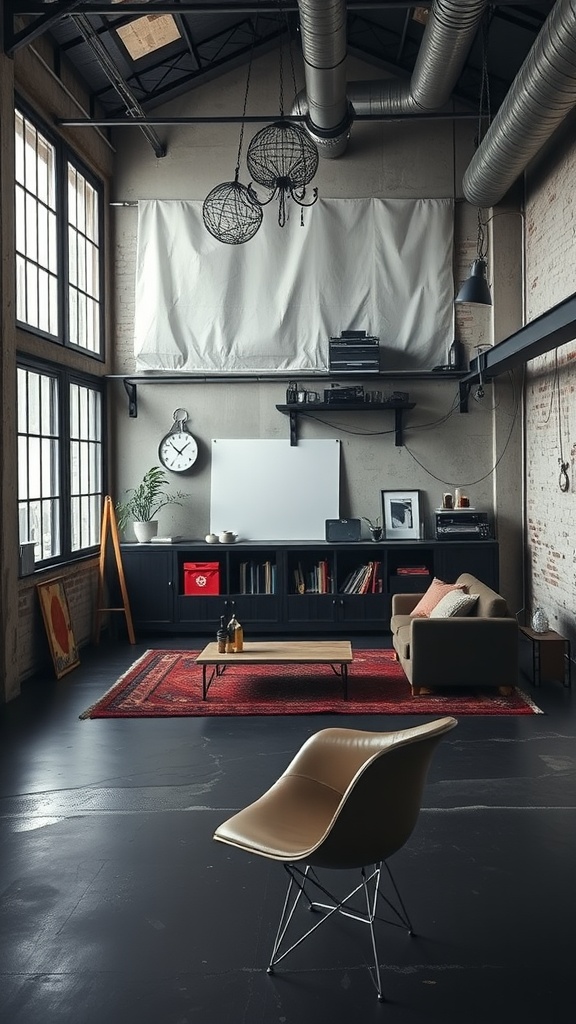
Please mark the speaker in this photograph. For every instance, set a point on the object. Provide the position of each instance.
(338, 530)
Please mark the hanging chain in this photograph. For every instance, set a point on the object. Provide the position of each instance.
(252, 44)
(481, 243)
(484, 112)
(281, 63)
(291, 56)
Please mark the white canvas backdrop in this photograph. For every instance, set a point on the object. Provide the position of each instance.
(270, 490)
(271, 304)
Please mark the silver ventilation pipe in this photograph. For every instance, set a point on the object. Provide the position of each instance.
(542, 94)
(323, 29)
(448, 36)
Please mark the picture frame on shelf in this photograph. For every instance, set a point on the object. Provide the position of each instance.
(401, 515)
(58, 625)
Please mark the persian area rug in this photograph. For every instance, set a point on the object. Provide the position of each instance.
(163, 684)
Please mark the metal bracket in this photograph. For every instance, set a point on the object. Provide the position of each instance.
(132, 392)
(464, 388)
(293, 429)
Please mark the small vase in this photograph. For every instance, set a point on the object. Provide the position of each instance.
(145, 531)
(540, 621)
(376, 533)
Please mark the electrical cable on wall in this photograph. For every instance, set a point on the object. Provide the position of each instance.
(471, 483)
(563, 478)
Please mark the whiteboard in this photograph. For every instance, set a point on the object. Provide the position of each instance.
(270, 490)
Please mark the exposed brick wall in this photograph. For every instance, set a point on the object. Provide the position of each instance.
(550, 391)
(80, 583)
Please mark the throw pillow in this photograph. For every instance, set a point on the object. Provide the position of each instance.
(454, 603)
(433, 595)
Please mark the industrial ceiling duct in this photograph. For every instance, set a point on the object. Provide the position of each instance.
(542, 94)
(447, 39)
(323, 30)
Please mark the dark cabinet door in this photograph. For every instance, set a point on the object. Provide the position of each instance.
(365, 611)
(149, 581)
(479, 558)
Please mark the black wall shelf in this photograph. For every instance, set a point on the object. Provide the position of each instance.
(305, 408)
(132, 381)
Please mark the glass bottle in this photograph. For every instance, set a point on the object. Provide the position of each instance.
(456, 356)
(222, 636)
(235, 634)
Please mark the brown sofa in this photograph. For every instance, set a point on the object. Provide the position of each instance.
(479, 649)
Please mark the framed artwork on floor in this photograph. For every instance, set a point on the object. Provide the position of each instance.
(56, 616)
(401, 515)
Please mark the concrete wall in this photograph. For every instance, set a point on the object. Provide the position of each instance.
(444, 448)
(551, 386)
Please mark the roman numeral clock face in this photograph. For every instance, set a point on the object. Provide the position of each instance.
(178, 450)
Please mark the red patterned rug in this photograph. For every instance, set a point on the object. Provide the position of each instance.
(163, 684)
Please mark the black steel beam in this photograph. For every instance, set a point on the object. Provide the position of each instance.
(243, 6)
(135, 122)
(545, 333)
(46, 17)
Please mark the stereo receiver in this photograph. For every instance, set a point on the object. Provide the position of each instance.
(462, 524)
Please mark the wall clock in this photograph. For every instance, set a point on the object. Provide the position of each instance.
(178, 449)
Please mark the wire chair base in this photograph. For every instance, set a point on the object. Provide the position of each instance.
(300, 883)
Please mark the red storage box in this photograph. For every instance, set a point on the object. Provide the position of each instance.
(201, 578)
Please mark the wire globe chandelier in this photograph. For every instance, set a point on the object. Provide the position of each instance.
(281, 158)
(231, 211)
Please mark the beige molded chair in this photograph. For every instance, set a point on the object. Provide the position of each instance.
(348, 799)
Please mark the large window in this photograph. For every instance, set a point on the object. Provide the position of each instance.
(59, 462)
(58, 241)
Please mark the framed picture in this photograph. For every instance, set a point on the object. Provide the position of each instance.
(401, 514)
(56, 615)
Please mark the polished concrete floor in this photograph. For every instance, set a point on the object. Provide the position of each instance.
(118, 908)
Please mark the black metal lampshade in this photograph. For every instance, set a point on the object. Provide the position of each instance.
(232, 213)
(283, 158)
(475, 288)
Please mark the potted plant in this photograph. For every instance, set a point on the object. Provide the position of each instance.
(144, 503)
(374, 527)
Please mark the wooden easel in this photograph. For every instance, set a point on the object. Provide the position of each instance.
(109, 524)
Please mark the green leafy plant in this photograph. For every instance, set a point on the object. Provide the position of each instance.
(147, 499)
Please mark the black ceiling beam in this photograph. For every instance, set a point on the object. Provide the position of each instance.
(542, 335)
(115, 78)
(190, 79)
(188, 38)
(14, 41)
(243, 6)
(136, 122)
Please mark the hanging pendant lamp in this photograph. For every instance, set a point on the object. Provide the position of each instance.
(474, 289)
(282, 157)
(231, 211)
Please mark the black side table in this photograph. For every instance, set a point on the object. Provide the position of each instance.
(550, 656)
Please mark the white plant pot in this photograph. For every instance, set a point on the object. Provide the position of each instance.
(145, 531)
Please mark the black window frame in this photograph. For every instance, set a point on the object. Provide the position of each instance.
(64, 154)
(66, 376)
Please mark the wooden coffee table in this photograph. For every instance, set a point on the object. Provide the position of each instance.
(336, 653)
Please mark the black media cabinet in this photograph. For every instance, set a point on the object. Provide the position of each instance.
(298, 572)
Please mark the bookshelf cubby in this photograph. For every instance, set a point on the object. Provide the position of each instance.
(291, 587)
